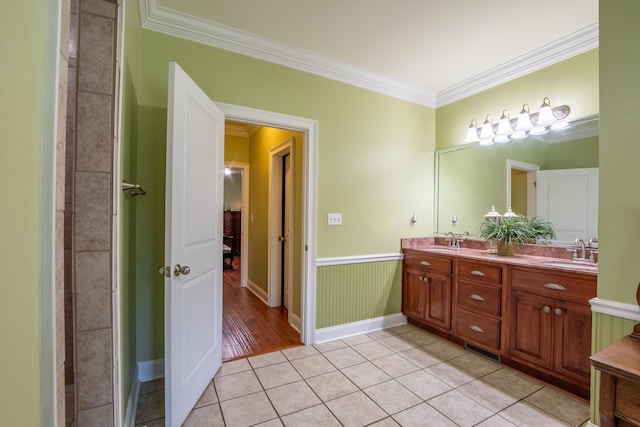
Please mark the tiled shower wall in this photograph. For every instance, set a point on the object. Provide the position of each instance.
(91, 220)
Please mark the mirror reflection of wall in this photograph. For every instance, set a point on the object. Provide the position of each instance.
(233, 189)
(472, 178)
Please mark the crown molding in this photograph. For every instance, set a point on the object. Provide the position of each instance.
(574, 44)
(188, 27)
(173, 23)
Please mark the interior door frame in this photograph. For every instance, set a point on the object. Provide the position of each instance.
(309, 128)
(244, 215)
(276, 214)
(531, 169)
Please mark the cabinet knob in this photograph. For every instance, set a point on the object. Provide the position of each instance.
(546, 309)
(558, 311)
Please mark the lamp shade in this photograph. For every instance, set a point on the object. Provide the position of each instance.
(504, 125)
(545, 116)
(472, 133)
(487, 129)
(524, 120)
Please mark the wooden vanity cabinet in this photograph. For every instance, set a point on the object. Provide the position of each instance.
(426, 293)
(479, 303)
(550, 323)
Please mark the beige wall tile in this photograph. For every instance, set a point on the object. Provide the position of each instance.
(93, 297)
(93, 371)
(96, 53)
(94, 133)
(92, 212)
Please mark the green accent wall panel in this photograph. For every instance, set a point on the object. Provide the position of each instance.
(354, 292)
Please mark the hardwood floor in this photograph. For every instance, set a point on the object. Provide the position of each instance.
(249, 326)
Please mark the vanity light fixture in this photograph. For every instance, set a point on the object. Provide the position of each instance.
(527, 123)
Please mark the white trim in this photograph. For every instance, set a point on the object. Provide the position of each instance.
(615, 308)
(150, 370)
(132, 402)
(258, 291)
(295, 321)
(309, 196)
(244, 227)
(358, 259)
(562, 49)
(158, 18)
(361, 327)
(590, 424)
(518, 165)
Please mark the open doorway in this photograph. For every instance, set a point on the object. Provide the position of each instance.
(253, 322)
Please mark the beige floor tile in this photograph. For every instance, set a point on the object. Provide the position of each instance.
(420, 357)
(392, 396)
(444, 350)
(233, 367)
(513, 383)
(235, 385)
(208, 397)
(526, 415)
(357, 339)
(378, 335)
(267, 359)
(423, 384)
(491, 397)
(396, 343)
(387, 422)
(277, 375)
(372, 350)
(419, 338)
(317, 416)
(450, 374)
(355, 409)
(206, 416)
(495, 421)
(474, 364)
(236, 413)
(343, 357)
(365, 374)
(299, 352)
(395, 365)
(293, 397)
(329, 346)
(422, 415)
(461, 409)
(271, 423)
(313, 366)
(331, 385)
(154, 423)
(405, 329)
(153, 385)
(150, 406)
(560, 405)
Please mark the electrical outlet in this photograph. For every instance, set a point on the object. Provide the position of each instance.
(334, 219)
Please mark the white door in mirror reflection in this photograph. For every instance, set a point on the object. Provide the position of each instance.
(569, 199)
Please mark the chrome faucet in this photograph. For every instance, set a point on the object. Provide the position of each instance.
(583, 248)
(455, 239)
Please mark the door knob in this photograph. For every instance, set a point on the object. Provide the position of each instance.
(282, 239)
(181, 269)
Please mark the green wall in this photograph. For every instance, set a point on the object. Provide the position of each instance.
(23, 158)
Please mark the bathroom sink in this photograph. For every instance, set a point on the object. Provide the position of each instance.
(445, 249)
(574, 265)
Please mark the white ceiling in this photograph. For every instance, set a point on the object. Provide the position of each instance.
(427, 51)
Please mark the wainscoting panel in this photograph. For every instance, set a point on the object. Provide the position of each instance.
(352, 292)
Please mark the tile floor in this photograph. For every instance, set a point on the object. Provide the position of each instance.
(402, 376)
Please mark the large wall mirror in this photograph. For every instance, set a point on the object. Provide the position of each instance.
(471, 178)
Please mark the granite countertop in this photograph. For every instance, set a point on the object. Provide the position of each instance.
(538, 256)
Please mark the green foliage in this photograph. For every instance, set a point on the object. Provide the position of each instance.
(517, 229)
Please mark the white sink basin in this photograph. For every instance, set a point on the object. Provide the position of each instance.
(574, 265)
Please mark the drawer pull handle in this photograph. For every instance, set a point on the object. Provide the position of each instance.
(476, 297)
(475, 328)
(555, 286)
(427, 263)
(477, 273)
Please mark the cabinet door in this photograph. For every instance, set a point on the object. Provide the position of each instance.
(572, 335)
(413, 294)
(531, 329)
(438, 300)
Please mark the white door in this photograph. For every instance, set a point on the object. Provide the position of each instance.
(286, 223)
(569, 199)
(193, 244)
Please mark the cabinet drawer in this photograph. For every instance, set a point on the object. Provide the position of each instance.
(479, 329)
(481, 298)
(428, 262)
(552, 284)
(627, 400)
(480, 272)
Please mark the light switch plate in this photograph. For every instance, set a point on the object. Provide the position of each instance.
(334, 219)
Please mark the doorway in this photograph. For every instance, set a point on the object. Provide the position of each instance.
(254, 321)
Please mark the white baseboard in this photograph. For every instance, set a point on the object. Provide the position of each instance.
(258, 291)
(150, 370)
(590, 424)
(132, 402)
(296, 322)
(361, 327)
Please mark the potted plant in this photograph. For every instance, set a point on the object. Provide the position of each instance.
(516, 229)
